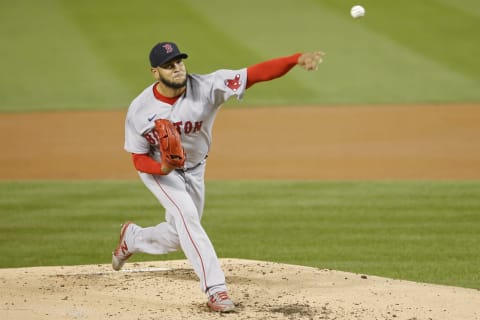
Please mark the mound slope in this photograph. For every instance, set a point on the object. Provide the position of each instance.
(261, 290)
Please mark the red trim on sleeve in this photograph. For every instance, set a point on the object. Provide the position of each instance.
(270, 69)
(145, 163)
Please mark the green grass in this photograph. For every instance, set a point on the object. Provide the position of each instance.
(422, 231)
(64, 54)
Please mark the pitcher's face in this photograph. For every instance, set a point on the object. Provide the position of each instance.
(172, 74)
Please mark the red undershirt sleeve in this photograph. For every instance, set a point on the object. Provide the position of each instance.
(270, 69)
(145, 163)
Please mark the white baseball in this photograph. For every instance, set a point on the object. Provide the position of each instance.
(357, 11)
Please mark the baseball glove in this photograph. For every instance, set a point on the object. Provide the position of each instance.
(170, 144)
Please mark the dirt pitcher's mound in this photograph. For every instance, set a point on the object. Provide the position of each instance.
(261, 290)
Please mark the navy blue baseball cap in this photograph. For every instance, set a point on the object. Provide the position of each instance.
(164, 52)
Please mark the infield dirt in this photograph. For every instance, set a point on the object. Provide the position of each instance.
(438, 142)
(330, 143)
(262, 290)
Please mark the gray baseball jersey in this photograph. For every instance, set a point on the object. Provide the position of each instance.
(193, 114)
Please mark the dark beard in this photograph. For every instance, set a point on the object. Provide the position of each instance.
(174, 85)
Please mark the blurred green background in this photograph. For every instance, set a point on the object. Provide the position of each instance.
(94, 54)
(421, 231)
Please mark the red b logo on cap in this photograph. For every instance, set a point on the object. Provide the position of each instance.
(168, 48)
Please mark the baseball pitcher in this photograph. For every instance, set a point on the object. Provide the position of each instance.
(168, 131)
